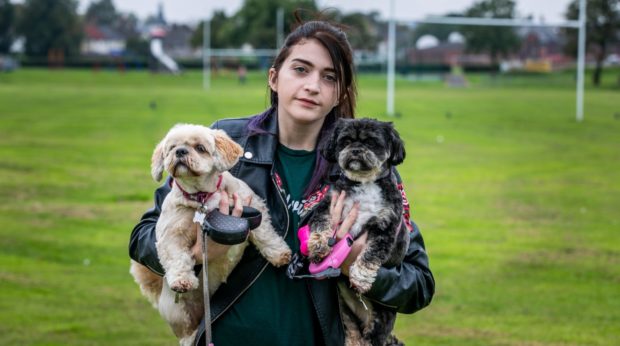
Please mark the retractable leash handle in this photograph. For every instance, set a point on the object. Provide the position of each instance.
(334, 260)
(303, 234)
(330, 266)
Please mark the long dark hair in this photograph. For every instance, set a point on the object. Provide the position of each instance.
(335, 41)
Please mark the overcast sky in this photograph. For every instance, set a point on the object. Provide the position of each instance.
(194, 10)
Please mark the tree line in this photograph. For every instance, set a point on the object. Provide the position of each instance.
(55, 25)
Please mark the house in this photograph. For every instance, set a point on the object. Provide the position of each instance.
(102, 40)
(542, 46)
(447, 53)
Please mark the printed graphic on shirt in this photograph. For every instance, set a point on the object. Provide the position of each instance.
(304, 206)
(316, 197)
(406, 207)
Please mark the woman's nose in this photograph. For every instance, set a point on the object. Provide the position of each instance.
(313, 84)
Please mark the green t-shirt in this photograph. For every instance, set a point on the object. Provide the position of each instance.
(276, 310)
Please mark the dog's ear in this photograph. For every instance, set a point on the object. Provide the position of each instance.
(157, 161)
(397, 147)
(227, 151)
(328, 151)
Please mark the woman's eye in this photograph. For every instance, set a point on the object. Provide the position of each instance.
(299, 69)
(200, 148)
(330, 77)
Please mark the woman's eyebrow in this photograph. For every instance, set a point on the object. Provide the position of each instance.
(306, 62)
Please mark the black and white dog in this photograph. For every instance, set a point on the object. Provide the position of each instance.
(366, 150)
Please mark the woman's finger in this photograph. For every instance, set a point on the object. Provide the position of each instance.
(224, 202)
(348, 222)
(356, 249)
(336, 214)
(238, 205)
(332, 202)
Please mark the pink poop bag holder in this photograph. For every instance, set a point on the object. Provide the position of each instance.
(330, 266)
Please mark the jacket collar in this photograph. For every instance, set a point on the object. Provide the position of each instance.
(260, 148)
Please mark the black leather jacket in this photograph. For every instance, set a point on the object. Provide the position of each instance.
(406, 288)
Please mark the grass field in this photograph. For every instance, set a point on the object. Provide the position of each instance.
(519, 204)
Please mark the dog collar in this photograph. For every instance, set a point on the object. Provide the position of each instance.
(200, 196)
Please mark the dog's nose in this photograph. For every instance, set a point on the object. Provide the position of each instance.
(181, 152)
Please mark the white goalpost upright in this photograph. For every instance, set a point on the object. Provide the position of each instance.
(579, 24)
(391, 61)
(206, 54)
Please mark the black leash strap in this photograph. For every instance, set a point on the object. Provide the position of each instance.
(223, 229)
(205, 290)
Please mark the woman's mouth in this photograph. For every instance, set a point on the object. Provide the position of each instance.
(307, 102)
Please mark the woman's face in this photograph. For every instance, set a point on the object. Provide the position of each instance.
(306, 83)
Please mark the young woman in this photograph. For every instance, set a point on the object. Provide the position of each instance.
(312, 85)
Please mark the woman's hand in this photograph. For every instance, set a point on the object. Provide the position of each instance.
(336, 209)
(214, 249)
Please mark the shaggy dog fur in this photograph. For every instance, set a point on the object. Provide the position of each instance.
(196, 157)
(365, 150)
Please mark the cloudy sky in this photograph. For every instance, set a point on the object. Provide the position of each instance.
(194, 10)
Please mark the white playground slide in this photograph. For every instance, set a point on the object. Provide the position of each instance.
(157, 50)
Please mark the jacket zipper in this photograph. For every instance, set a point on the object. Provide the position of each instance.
(267, 263)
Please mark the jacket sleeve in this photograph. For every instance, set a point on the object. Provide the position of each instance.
(142, 241)
(409, 286)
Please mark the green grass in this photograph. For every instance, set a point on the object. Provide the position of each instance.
(518, 203)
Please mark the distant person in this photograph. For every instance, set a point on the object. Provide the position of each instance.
(312, 84)
(242, 72)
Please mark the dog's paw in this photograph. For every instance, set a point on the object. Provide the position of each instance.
(184, 284)
(318, 247)
(283, 259)
(362, 278)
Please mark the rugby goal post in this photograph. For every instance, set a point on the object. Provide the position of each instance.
(579, 24)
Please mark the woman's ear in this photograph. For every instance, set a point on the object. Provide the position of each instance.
(273, 79)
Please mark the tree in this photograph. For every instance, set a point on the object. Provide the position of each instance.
(50, 25)
(7, 22)
(101, 12)
(602, 25)
(497, 41)
(362, 29)
(127, 25)
(221, 32)
(256, 23)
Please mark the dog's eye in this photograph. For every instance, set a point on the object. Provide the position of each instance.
(371, 142)
(200, 148)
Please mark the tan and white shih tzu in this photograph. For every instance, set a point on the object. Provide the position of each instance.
(366, 151)
(197, 158)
